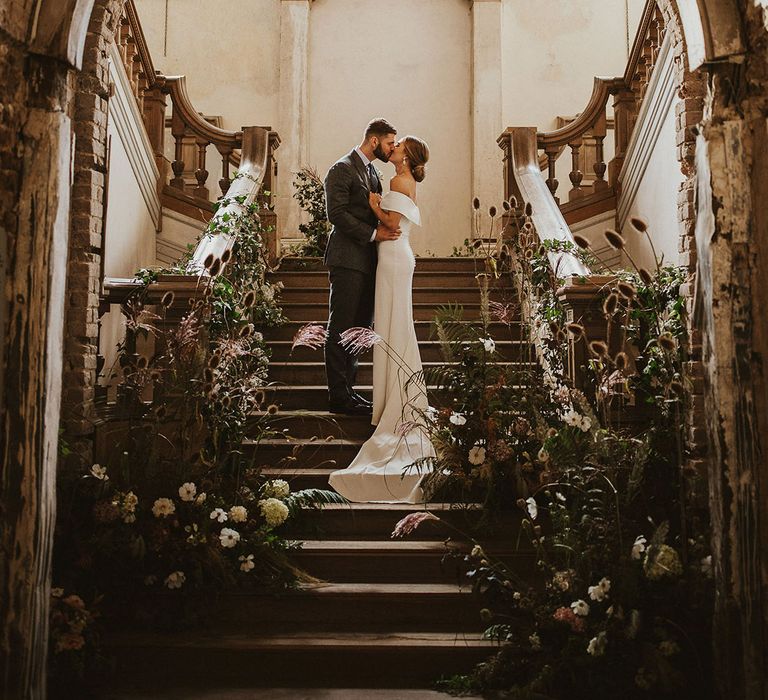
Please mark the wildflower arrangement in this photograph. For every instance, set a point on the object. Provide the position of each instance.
(310, 194)
(178, 506)
(612, 517)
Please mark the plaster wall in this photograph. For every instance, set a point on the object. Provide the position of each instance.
(656, 200)
(228, 49)
(408, 60)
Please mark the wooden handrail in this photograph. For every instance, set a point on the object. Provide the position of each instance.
(523, 180)
(254, 165)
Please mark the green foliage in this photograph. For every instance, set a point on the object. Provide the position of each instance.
(310, 195)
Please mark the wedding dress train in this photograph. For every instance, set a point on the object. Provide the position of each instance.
(379, 471)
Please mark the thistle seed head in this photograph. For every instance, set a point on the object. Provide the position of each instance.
(167, 299)
(639, 224)
(208, 262)
(599, 348)
(476, 204)
(626, 290)
(646, 277)
(576, 330)
(581, 241)
(615, 239)
(610, 304)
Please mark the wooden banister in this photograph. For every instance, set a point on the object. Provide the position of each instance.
(523, 180)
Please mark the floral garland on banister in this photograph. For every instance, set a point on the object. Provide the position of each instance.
(616, 599)
(181, 510)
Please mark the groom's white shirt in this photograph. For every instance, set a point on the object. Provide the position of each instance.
(366, 163)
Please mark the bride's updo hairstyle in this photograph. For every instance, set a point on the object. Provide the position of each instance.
(417, 153)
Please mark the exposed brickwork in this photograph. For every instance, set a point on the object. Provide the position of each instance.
(691, 90)
(87, 218)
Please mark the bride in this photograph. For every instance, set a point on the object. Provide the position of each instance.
(380, 472)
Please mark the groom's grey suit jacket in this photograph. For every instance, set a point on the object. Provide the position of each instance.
(346, 199)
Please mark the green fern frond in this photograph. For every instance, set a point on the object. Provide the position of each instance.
(312, 498)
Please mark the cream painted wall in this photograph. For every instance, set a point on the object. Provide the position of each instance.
(413, 70)
(552, 50)
(129, 242)
(228, 49)
(409, 60)
(656, 200)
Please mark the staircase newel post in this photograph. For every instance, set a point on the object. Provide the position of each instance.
(154, 121)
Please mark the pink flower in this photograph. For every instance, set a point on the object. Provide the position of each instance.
(357, 340)
(411, 521)
(570, 618)
(311, 336)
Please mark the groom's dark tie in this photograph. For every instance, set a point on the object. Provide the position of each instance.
(373, 178)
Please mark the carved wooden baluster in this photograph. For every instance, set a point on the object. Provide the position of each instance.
(598, 133)
(143, 85)
(225, 182)
(154, 121)
(201, 174)
(125, 32)
(178, 130)
(552, 182)
(576, 176)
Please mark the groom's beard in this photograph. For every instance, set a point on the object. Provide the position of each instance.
(380, 154)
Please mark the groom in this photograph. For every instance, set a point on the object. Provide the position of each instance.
(351, 257)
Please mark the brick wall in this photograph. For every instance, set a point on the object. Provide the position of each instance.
(691, 90)
(87, 217)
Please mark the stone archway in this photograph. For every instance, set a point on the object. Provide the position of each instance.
(42, 45)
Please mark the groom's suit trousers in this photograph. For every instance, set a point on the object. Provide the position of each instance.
(351, 305)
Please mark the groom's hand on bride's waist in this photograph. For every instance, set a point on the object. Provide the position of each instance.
(385, 234)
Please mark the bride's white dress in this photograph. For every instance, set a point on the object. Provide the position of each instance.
(378, 473)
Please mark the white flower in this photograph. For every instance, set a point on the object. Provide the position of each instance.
(458, 418)
(600, 591)
(517, 595)
(99, 472)
(533, 509)
(201, 498)
(247, 562)
(572, 418)
(277, 488)
(559, 496)
(163, 507)
(477, 455)
(175, 580)
(229, 537)
(130, 501)
(57, 592)
(187, 492)
(488, 344)
(219, 515)
(129, 518)
(477, 552)
(431, 413)
(543, 455)
(596, 646)
(535, 641)
(275, 512)
(586, 423)
(580, 607)
(638, 547)
(706, 566)
(238, 514)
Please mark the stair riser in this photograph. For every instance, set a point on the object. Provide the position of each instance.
(319, 312)
(316, 455)
(296, 295)
(421, 278)
(313, 374)
(301, 426)
(424, 330)
(331, 667)
(429, 352)
(426, 264)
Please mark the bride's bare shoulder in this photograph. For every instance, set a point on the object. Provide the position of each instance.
(403, 184)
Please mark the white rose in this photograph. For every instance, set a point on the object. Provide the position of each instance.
(219, 515)
(163, 507)
(477, 455)
(187, 492)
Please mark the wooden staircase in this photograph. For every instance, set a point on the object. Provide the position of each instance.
(388, 613)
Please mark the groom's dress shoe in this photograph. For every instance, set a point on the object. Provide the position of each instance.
(362, 400)
(349, 408)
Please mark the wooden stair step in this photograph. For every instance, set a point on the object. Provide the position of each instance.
(320, 424)
(436, 264)
(430, 351)
(308, 373)
(422, 278)
(399, 561)
(421, 295)
(497, 330)
(362, 660)
(305, 311)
